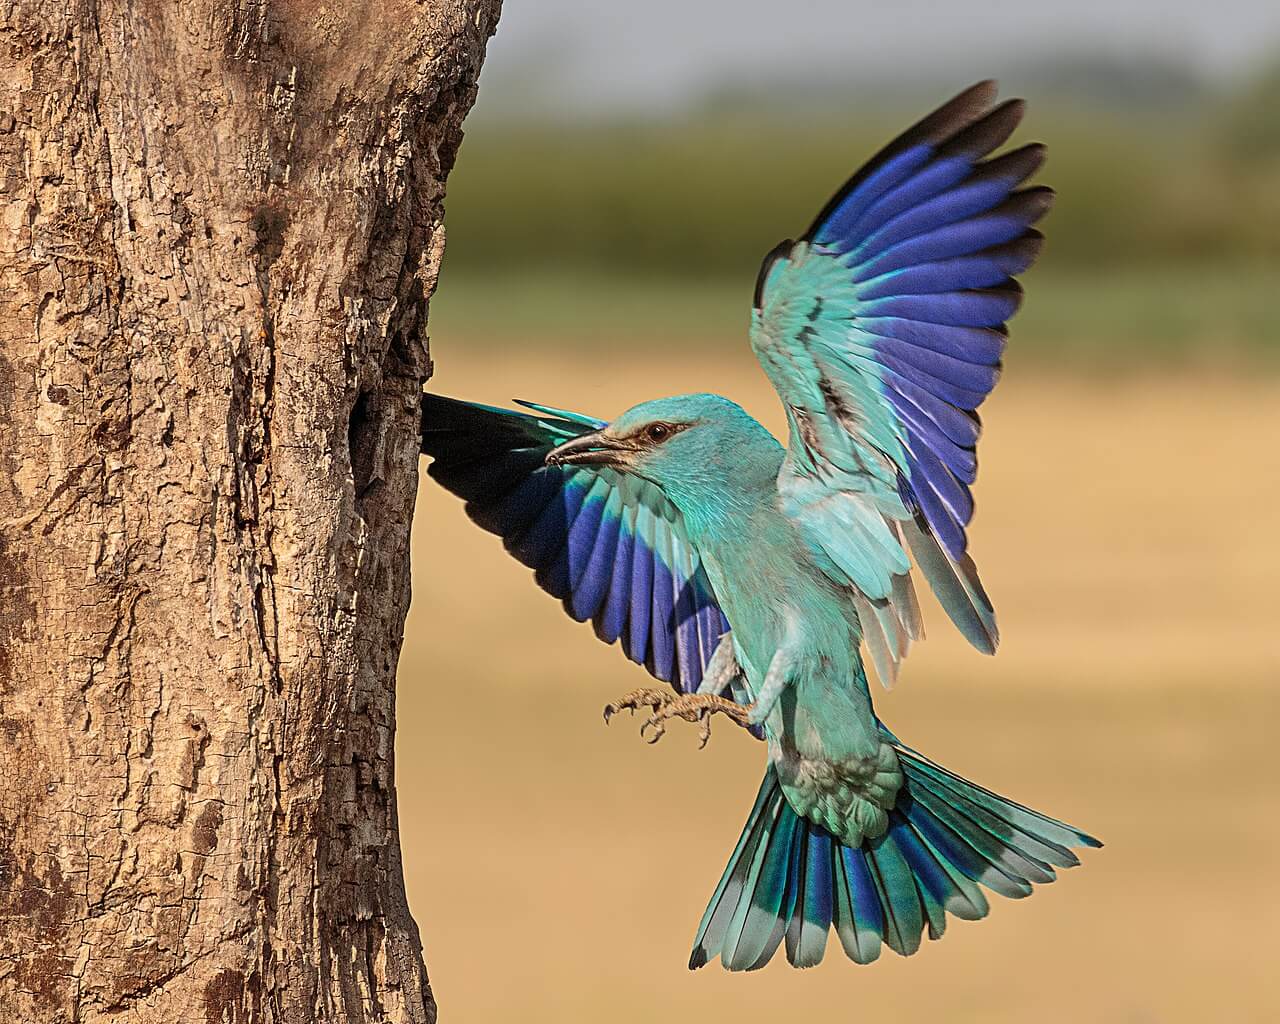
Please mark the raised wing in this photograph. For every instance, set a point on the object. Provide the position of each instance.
(882, 330)
(609, 545)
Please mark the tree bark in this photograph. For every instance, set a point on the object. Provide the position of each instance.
(221, 227)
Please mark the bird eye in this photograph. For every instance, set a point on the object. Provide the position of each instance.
(657, 432)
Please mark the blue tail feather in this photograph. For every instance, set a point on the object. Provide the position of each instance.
(807, 932)
(895, 883)
(789, 878)
(997, 866)
(867, 914)
(724, 902)
(931, 880)
(760, 914)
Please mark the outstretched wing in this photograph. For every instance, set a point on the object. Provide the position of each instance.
(882, 330)
(609, 545)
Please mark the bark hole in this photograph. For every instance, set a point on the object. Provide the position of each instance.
(363, 433)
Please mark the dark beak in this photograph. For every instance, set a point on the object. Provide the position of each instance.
(594, 449)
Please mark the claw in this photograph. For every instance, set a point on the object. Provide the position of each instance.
(645, 697)
(659, 729)
(704, 734)
(665, 705)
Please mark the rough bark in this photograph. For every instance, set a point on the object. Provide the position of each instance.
(221, 227)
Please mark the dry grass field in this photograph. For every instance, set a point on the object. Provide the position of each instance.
(1127, 533)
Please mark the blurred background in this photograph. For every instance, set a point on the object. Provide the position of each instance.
(624, 170)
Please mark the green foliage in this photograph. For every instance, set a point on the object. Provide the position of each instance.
(1166, 234)
(1250, 122)
(710, 197)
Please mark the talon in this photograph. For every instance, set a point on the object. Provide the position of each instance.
(642, 698)
(665, 705)
(659, 730)
(704, 734)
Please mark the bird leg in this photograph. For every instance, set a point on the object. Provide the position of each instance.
(722, 667)
(665, 705)
(777, 679)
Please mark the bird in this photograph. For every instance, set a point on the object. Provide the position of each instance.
(762, 581)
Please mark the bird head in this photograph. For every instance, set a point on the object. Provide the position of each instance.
(684, 445)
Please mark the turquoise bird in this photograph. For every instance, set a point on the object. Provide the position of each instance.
(728, 564)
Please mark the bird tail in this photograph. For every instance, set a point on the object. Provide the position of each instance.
(947, 839)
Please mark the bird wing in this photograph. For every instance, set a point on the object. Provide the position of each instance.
(882, 330)
(608, 544)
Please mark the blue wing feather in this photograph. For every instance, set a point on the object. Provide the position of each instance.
(982, 270)
(978, 308)
(849, 209)
(1007, 222)
(976, 379)
(955, 425)
(934, 178)
(592, 590)
(662, 649)
(641, 596)
(908, 370)
(593, 585)
(613, 549)
(981, 345)
(611, 623)
(583, 533)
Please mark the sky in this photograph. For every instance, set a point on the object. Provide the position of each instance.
(615, 54)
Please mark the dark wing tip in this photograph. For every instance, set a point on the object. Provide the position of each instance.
(1044, 195)
(1027, 247)
(963, 111)
(780, 251)
(989, 131)
(1011, 289)
(1030, 204)
(1017, 165)
(958, 113)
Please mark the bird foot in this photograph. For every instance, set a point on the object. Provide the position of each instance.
(665, 705)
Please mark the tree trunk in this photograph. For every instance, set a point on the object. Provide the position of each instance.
(221, 227)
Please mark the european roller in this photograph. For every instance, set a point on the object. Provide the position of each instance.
(758, 580)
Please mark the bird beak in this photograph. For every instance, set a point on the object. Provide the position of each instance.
(594, 449)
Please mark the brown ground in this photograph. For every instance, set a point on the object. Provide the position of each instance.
(1126, 533)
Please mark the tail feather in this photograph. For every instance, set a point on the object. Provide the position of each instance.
(724, 902)
(895, 884)
(977, 852)
(759, 919)
(858, 919)
(1054, 836)
(960, 894)
(791, 880)
(811, 920)
(930, 879)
